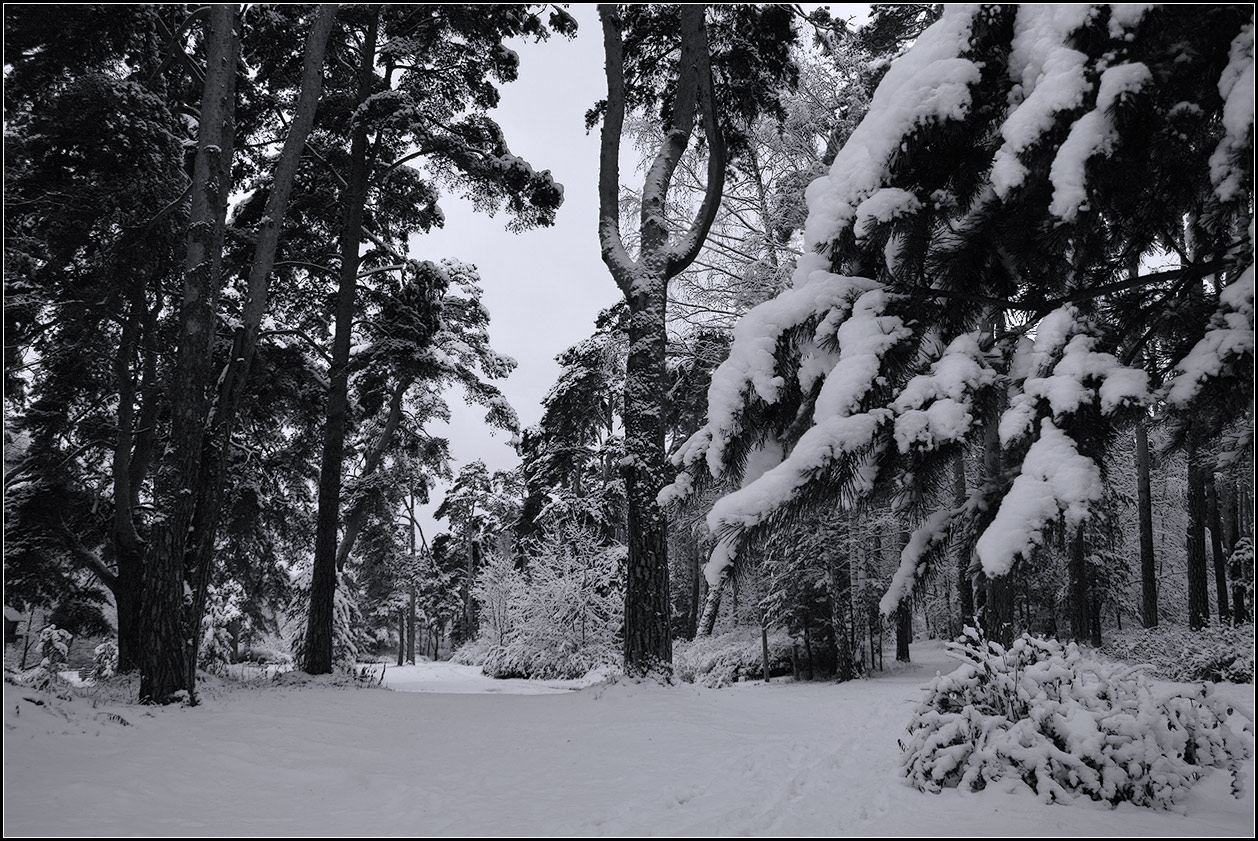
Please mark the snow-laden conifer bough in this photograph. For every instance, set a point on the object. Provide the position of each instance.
(963, 258)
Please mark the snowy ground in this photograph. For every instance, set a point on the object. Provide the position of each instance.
(456, 753)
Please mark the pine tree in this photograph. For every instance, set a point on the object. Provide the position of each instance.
(1012, 163)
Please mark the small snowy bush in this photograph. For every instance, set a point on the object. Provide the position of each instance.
(1064, 724)
(1214, 653)
(730, 657)
(105, 660)
(560, 617)
(54, 647)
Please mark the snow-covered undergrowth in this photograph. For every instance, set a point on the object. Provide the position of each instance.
(1214, 653)
(730, 657)
(1066, 725)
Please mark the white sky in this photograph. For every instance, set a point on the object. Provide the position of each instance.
(543, 288)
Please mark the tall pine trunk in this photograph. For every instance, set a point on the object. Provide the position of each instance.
(1216, 547)
(840, 571)
(166, 672)
(1144, 505)
(1079, 607)
(319, 627)
(644, 283)
(1198, 592)
(903, 617)
(965, 581)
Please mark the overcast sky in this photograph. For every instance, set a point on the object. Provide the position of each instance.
(543, 288)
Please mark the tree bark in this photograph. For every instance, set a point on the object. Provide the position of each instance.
(127, 585)
(644, 282)
(840, 610)
(903, 617)
(1216, 547)
(764, 643)
(712, 605)
(965, 582)
(319, 629)
(1078, 586)
(1198, 593)
(1144, 505)
(166, 673)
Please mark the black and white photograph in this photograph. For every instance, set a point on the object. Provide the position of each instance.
(544, 420)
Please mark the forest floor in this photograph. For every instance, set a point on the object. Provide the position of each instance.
(450, 752)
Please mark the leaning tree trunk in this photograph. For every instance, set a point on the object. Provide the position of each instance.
(1144, 504)
(1198, 591)
(216, 449)
(319, 628)
(644, 282)
(165, 671)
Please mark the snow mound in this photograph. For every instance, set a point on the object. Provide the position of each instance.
(1066, 725)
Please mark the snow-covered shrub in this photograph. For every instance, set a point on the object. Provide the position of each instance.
(1214, 653)
(222, 607)
(105, 660)
(266, 655)
(54, 648)
(1042, 712)
(730, 657)
(560, 617)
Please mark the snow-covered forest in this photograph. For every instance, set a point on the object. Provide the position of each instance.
(876, 383)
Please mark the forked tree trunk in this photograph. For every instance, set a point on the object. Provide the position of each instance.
(216, 449)
(319, 628)
(166, 673)
(644, 282)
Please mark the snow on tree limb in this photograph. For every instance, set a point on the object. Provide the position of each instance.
(1081, 376)
(1093, 133)
(927, 84)
(1236, 86)
(1227, 342)
(1056, 480)
(751, 365)
(936, 408)
(925, 538)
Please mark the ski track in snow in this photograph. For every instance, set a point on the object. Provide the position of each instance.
(457, 753)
